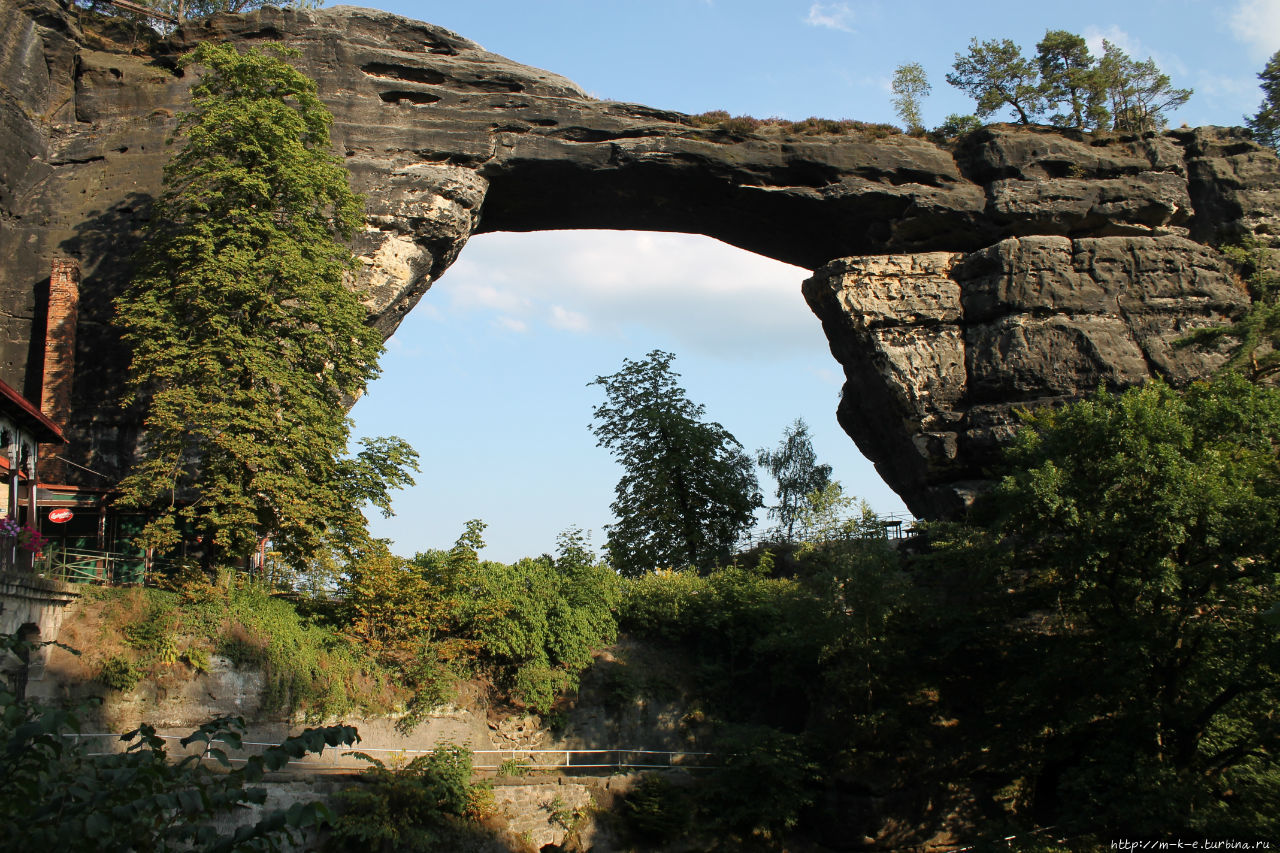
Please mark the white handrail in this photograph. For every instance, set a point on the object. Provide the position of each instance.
(510, 753)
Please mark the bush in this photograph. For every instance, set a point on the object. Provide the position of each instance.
(428, 805)
(119, 673)
(656, 811)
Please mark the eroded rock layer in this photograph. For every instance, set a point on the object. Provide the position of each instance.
(1017, 267)
(946, 346)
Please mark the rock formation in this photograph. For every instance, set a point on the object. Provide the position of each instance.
(1019, 266)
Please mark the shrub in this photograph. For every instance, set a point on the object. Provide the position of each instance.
(428, 805)
(657, 811)
(119, 673)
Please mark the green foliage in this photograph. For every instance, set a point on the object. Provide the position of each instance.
(245, 338)
(1068, 77)
(1265, 123)
(997, 75)
(910, 86)
(794, 466)
(308, 667)
(119, 673)
(1138, 93)
(688, 491)
(429, 805)
(1130, 96)
(1256, 335)
(55, 795)
(656, 811)
(533, 623)
(513, 767)
(185, 10)
(766, 782)
(757, 640)
(955, 125)
(1143, 531)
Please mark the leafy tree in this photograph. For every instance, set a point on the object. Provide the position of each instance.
(245, 339)
(1068, 76)
(1138, 93)
(997, 75)
(910, 86)
(1142, 532)
(794, 465)
(543, 619)
(1265, 124)
(688, 491)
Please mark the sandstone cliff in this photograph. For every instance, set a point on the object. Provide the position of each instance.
(1017, 268)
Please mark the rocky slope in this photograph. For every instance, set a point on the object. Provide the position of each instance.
(1020, 267)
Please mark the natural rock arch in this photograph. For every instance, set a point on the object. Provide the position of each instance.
(1018, 267)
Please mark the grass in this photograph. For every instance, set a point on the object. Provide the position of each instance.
(310, 669)
(813, 126)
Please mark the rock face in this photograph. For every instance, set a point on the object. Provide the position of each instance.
(945, 347)
(1019, 266)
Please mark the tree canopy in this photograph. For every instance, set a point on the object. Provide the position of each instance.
(910, 86)
(1265, 123)
(793, 464)
(247, 344)
(688, 491)
(1088, 92)
(1141, 531)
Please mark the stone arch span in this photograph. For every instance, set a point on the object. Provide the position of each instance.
(1011, 268)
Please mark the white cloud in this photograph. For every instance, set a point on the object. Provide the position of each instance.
(1257, 24)
(1094, 37)
(698, 292)
(512, 324)
(1133, 46)
(1221, 86)
(833, 16)
(572, 321)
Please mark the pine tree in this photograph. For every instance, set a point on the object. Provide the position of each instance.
(1266, 123)
(246, 341)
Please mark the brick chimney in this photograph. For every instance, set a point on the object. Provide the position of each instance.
(60, 340)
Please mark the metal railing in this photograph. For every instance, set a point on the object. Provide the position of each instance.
(519, 760)
(83, 565)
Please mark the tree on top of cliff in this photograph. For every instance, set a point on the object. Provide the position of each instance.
(688, 491)
(1265, 124)
(997, 75)
(910, 86)
(1133, 96)
(245, 338)
(1069, 77)
(1140, 93)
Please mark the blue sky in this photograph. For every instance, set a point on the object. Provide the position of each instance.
(488, 376)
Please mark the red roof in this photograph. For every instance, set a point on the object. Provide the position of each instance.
(25, 413)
